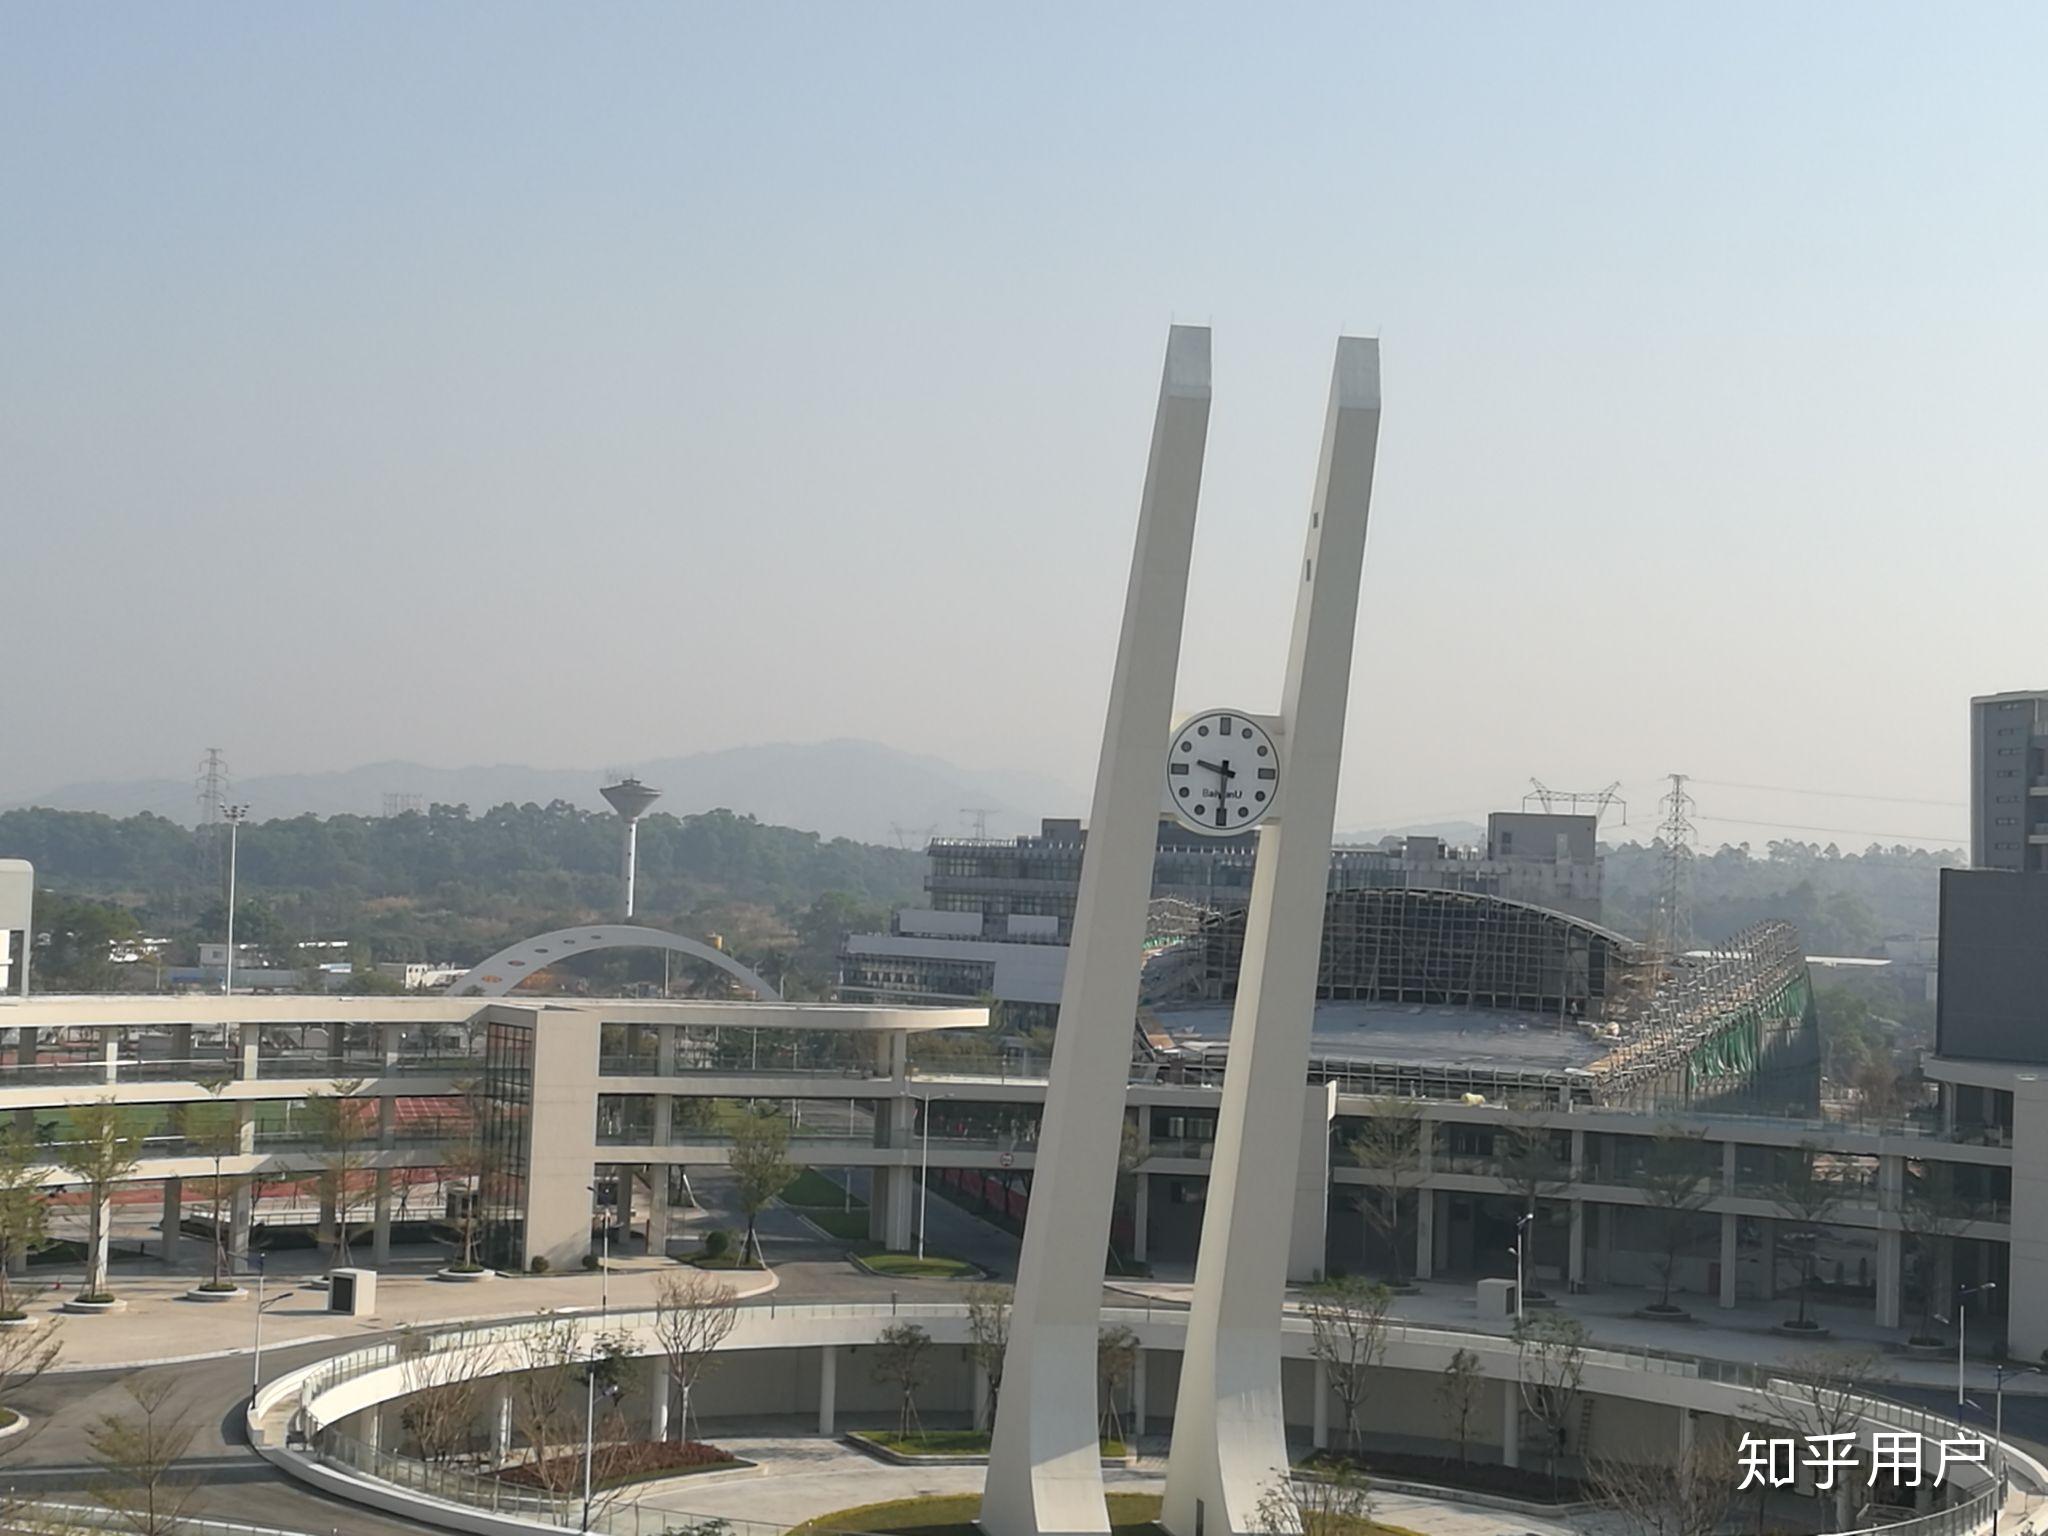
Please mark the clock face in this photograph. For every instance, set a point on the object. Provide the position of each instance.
(1222, 772)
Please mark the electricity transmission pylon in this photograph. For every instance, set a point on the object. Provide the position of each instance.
(1598, 800)
(1676, 833)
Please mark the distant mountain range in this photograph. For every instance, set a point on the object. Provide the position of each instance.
(857, 789)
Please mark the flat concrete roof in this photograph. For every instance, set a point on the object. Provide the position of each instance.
(116, 1009)
(1415, 1034)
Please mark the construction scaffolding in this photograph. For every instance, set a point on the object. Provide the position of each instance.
(1415, 945)
(1734, 1025)
(1729, 1028)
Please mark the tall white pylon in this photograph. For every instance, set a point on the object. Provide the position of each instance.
(1229, 1437)
(1045, 1467)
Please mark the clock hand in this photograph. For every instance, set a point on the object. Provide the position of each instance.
(1222, 768)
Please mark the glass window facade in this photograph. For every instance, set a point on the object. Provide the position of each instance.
(507, 1100)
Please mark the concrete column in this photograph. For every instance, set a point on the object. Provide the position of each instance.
(110, 1055)
(250, 1041)
(1769, 1245)
(501, 1423)
(1510, 1424)
(101, 1239)
(1321, 1432)
(1044, 1471)
(1308, 1243)
(380, 1219)
(1139, 1373)
(657, 1398)
(2027, 1272)
(1728, 1149)
(1425, 1233)
(980, 1395)
(1229, 1443)
(173, 1218)
(1603, 1236)
(387, 1037)
(1141, 1215)
(900, 1209)
(1685, 1432)
(828, 1389)
(373, 1424)
(241, 1211)
(1730, 1232)
(1575, 1272)
(1889, 1278)
(657, 1204)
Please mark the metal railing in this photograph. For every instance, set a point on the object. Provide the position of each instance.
(646, 1516)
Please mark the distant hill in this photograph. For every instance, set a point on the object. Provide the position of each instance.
(854, 789)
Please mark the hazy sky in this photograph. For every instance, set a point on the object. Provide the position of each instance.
(571, 385)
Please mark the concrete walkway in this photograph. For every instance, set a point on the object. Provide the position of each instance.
(1744, 1334)
(801, 1479)
(160, 1326)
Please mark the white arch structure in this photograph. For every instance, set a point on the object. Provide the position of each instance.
(498, 975)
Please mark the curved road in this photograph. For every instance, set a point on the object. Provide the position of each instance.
(53, 1459)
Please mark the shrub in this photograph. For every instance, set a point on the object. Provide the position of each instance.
(617, 1462)
(717, 1243)
(538, 1264)
(590, 1261)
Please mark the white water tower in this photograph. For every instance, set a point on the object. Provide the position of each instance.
(630, 798)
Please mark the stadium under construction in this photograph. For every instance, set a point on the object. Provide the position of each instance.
(1444, 993)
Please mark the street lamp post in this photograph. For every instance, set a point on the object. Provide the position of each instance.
(604, 1308)
(2005, 1373)
(255, 1262)
(924, 1177)
(1963, 1328)
(1521, 1243)
(234, 815)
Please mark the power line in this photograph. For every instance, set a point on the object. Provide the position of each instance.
(1795, 826)
(1834, 794)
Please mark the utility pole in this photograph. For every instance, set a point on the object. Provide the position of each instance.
(1676, 832)
(212, 788)
(233, 815)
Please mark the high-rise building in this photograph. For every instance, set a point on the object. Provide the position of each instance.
(2009, 781)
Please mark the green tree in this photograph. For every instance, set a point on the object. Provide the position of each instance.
(1527, 1160)
(214, 1131)
(137, 1453)
(988, 1336)
(1807, 1194)
(902, 1359)
(1933, 1214)
(1677, 1181)
(1388, 1143)
(761, 1165)
(345, 1125)
(24, 1211)
(1348, 1336)
(105, 1145)
(78, 937)
(1552, 1351)
(1116, 1362)
(693, 1316)
(1458, 1391)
